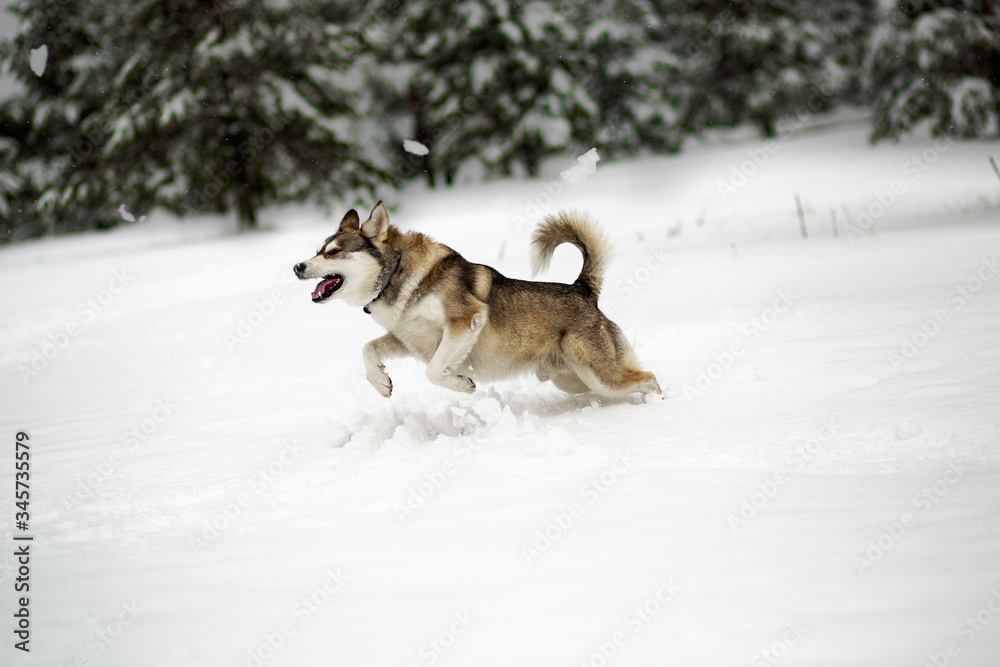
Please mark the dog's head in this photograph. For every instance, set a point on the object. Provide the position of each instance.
(355, 263)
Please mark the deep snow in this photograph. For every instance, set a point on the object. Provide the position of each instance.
(214, 483)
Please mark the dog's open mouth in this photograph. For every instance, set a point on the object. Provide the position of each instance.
(327, 287)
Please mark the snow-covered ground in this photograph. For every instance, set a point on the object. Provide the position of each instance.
(214, 483)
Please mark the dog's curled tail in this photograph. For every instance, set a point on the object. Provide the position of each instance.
(581, 230)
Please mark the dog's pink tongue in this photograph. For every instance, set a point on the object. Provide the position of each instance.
(318, 292)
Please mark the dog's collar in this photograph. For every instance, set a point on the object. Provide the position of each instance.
(399, 258)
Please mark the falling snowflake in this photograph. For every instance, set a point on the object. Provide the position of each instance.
(586, 166)
(126, 215)
(38, 59)
(415, 147)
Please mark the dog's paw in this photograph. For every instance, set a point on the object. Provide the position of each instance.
(449, 380)
(379, 379)
(457, 383)
(649, 386)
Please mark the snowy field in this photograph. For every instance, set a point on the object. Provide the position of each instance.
(214, 483)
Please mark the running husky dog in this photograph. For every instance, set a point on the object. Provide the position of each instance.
(467, 321)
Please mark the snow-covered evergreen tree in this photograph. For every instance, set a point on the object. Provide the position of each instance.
(63, 62)
(217, 106)
(938, 61)
(621, 59)
(476, 79)
(239, 104)
(509, 84)
(756, 62)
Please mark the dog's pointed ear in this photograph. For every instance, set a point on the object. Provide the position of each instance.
(350, 221)
(377, 225)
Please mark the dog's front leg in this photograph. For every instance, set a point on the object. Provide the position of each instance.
(459, 338)
(374, 353)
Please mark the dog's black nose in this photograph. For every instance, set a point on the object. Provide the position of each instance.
(299, 268)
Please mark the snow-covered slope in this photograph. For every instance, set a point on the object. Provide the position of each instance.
(214, 483)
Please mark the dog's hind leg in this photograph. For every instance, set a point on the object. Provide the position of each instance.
(374, 353)
(618, 381)
(459, 338)
(604, 361)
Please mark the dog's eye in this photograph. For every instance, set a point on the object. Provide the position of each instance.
(331, 253)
